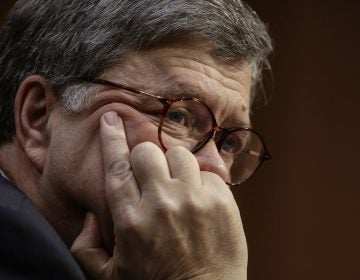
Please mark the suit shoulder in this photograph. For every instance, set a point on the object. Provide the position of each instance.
(30, 247)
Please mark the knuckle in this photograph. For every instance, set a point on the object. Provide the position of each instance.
(211, 178)
(144, 153)
(223, 199)
(180, 154)
(117, 183)
(144, 148)
(118, 168)
(166, 208)
(116, 137)
(221, 205)
(195, 206)
(117, 178)
(178, 150)
(220, 198)
(130, 225)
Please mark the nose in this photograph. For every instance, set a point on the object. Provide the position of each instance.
(209, 159)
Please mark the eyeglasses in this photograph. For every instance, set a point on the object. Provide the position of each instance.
(189, 122)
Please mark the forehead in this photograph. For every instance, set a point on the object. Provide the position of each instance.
(224, 86)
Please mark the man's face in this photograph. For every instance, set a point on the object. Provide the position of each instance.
(73, 178)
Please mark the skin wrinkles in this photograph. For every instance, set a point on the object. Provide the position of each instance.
(113, 97)
(214, 95)
(226, 79)
(229, 75)
(76, 137)
(83, 150)
(229, 69)
(225, 104)
(220, 96)
(104, 174)
(108, 97)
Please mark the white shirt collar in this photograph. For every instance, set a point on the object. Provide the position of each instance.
(3, 174)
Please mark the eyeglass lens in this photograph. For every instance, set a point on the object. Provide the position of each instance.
(189, 123)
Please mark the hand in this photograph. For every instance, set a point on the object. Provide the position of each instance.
(171, 221)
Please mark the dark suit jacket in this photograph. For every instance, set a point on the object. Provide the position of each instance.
(29, 247)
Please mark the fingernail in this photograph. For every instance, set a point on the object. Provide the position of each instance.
(111, 118)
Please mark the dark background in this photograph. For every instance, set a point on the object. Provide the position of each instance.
(301, 211)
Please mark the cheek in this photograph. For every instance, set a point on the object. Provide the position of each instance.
(74, 170)
(141, 129)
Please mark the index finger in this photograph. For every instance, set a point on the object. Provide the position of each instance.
(120, 185)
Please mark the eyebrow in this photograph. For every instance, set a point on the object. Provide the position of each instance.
(178, 90)
(175, 91)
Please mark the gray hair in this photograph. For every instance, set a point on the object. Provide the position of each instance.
(69, 42)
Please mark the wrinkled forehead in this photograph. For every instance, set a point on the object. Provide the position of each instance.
(189, 71)
(184, 68)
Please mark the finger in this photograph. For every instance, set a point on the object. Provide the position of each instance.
(215, 185)
(183, 165)
(149, 164)
(213, 179)
(87, 249)
(120, 185)
(220, 194)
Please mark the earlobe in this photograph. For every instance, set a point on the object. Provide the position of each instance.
(33, 104)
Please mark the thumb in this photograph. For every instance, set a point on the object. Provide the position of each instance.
(87, 250)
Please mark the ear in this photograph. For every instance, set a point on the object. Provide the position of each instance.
(34, 102)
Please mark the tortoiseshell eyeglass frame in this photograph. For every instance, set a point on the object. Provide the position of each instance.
(219, 131)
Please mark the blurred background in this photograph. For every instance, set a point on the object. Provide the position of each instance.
(301, 210)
